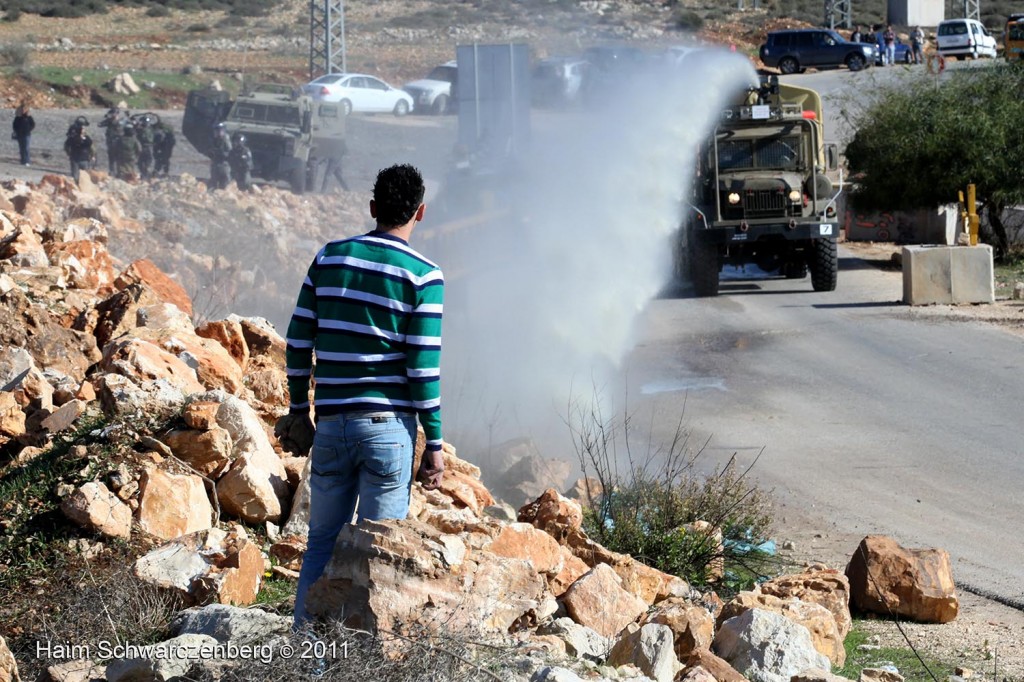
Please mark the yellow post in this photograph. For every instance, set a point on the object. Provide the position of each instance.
(972, 215)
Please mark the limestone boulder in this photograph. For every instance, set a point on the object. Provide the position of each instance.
(817, 675)
(117, 314)
(387, 574)
(165, 317)
(262, 339)
(646, 582)
(818, 620)
(585, 491)
(22, 247)
(208, 452)
(599, 601)
(172, 505)
(820, 585)
(227, 623)
(123, 397)
(142, 361)
(214, 367)
(172, 660)
(8, 666)
(245, 492)
(523, 541)
(78, 229)
(467, 491)
(650, 649)
(86, 263)
(767, 647)
(888, 579)
(53, 346)
(692, 626)
(12, 418)
(717, 668)
(553, 514)
(528, 478)
(229, 334)
(93, 507)
(64, 417)
(572, 569)
(78, 670)
(144, 271)
(580, 641)
(211, 566)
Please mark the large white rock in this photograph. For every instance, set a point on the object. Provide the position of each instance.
(230, 623)
(650, 648)
(169, 660)
(245, 491)
(580, 641)
(8, 666)
(767, 647)
(95, 508)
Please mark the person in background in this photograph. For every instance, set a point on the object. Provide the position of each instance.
(856, 36)
(917, 45)
(113, 123)
(369, 313)
(220, 158)
(128, 154)
(163, 148)
(78, 147)
(240, 159)
(889, 37)
(23, 126)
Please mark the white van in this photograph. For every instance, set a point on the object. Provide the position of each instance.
(965, 38)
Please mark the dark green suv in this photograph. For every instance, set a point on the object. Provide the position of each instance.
(794, 50)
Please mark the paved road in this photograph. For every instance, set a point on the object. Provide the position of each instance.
(874, 421)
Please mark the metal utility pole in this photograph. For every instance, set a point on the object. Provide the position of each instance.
(326, 37)
(837, 14)
(972, 9)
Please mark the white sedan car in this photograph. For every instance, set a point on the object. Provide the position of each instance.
(359, 92)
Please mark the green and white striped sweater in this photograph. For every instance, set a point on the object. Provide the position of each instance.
(370, 311)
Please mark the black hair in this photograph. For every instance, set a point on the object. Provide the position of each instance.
(397, 194)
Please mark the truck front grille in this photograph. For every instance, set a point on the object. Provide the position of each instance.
(764, 203)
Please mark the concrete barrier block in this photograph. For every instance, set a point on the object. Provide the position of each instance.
(948, 275)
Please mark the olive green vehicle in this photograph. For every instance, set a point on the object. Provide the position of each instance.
(761, 194)
(293, 137)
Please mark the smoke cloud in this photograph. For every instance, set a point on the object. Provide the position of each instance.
(544, 291)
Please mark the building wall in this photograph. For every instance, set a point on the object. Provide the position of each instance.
(916, 12)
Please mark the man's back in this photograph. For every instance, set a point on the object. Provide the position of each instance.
(372, 306)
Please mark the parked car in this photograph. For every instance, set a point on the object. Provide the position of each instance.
(433, 94)
(904, 55)
(360, 93)
(558, 81)
(792, 51)
(962, 38)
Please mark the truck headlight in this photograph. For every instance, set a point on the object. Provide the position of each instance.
(794, 196)
(733, 198)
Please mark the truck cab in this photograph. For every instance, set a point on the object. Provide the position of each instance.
(761, 194)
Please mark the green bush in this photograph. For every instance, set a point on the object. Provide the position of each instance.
(15, 54)
(647, 504)
(158, 11)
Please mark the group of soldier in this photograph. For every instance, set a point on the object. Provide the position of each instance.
(138, 146)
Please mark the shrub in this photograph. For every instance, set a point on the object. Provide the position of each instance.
(688, 20)
(158, 11)
(198, 28)
(648, 502)
(15, 54)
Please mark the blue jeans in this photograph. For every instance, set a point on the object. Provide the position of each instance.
(890, 53)
(23, 144)
(359, 456)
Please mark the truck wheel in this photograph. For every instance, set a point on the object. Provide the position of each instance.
(440, 105)
(704, 268)
(855, 62)
(788, 65)
(825, 265)
(298, 180)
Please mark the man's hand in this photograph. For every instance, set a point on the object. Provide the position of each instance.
(431, 469)
(295, 431)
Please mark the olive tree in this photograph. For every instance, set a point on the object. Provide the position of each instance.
(918, 144)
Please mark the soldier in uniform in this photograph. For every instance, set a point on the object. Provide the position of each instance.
(78, 147)
(163, 147)
(112, 122)
(144, 134)
(220, 168)
(240, 159)
(128, 154)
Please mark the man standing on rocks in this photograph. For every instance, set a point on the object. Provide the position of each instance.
(369, 311)
(23, 126)
(78, 147)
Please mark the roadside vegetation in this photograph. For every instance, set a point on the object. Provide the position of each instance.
(917, 146)
(648, 499)
(862, 651)
(81, 8)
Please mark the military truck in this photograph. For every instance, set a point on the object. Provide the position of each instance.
(760, 193)
(293, 137)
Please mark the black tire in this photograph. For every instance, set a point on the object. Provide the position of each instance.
(440, 106)
(788, 65)
(704, 267)
(907, 58)
(795, 269)
(824, 264)
(401, 108)
(346, 106)
(855, 62)
(298, 180)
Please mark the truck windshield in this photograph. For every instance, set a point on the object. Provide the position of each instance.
(771, 152)
(262, 113)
